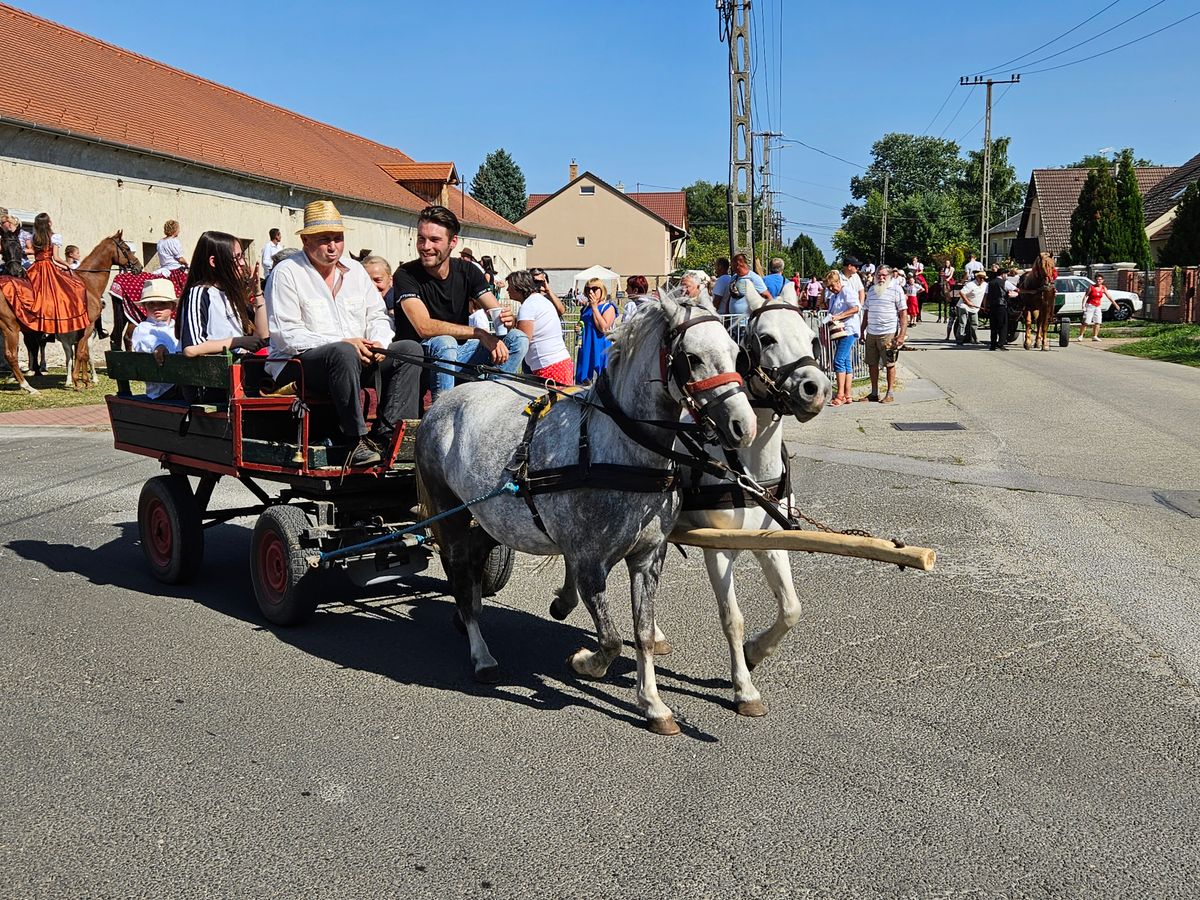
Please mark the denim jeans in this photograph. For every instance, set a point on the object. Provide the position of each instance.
(446, 348)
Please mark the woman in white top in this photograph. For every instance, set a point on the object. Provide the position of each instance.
(221, 308)
(547, 356)
(170, 250)
(842, 300)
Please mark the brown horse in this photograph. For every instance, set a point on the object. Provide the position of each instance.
(12, 284)
(1037, 293)
(95, 270)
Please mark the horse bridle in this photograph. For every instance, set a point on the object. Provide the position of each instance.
(676, 367)
(125, 261)
(771, 379)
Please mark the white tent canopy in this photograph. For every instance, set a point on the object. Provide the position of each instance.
(611, 279)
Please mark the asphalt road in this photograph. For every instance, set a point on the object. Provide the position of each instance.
(1023, 721)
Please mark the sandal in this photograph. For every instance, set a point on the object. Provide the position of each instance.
(837, 401)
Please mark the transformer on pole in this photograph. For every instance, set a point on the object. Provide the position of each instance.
(734, 18)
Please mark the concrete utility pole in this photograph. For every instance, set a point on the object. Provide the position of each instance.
(887, 179)
(978, 80)
(768, 214)
(734, 29)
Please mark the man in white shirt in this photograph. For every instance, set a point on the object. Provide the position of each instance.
(967, 321)
(268, 255)
(973, 265)
(851, 277)
(324, 311)
(885, 326)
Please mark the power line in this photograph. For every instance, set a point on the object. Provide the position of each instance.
(981, 116)
(1118, 47)
(827, 187)
(1005, 65)
(925, 130)
(1059, 53)
(824, 153)
(836, 209)
(946, 127)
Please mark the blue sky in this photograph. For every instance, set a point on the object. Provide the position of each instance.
(638, 91)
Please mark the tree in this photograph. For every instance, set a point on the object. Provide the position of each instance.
(913, 163)
(806, 257)
(708, 228)
(1094, 233)
(1008, 194)
(1092, 160)
(1183, 246)
(1132, 245)
(500, 185)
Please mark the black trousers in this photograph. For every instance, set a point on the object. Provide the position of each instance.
(336, 370)
(999, 315)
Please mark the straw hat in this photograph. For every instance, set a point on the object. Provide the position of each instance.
(321, 216)
(158, 290)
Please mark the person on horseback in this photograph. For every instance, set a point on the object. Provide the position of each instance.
(324, 310)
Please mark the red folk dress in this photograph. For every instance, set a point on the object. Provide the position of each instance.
(59, 297)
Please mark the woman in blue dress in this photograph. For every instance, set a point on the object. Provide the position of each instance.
(597, 317)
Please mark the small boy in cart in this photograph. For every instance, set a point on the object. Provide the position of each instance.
(157, 333)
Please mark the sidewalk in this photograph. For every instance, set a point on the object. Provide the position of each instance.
(90, 416)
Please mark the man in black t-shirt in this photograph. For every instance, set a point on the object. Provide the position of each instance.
(433, 302)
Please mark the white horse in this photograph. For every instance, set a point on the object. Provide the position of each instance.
(622, 506)
(783, 379)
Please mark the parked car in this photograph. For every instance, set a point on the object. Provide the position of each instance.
(1072, 290)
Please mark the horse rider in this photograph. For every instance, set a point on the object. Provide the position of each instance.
(325, 312)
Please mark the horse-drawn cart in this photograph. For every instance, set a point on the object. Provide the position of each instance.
(308, 538)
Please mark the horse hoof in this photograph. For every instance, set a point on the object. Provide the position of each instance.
(488, 675)
(662, 648)
(666, 727)
(752, 709)
(559, 610)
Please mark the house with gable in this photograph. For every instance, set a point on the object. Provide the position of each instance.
(589, 221)
(1163, 199)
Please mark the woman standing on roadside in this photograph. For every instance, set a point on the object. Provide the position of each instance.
(843, 318)
(596, 317)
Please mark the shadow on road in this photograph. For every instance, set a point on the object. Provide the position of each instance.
(402, 630)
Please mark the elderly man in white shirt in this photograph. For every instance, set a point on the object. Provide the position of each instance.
(325, 311)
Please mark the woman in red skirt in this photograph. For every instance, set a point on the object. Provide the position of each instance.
(60, 296)
(547, 357)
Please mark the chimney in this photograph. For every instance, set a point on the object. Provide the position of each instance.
(621, 186)
(574, 170)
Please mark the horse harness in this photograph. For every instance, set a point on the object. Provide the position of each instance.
(675, 368)
(771, 379)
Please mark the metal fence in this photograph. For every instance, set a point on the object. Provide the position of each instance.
(823, 347)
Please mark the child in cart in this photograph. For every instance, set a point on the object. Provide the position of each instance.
(157, 333)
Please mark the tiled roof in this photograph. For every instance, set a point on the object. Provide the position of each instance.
(79, 85)
(671, 206)
(1012, 223)
(1057, 192)
(1169, 191)
(439, 171)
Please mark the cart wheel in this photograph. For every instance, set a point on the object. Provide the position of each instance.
(1064, 332)
(170, 528)
(278, 567)
(497, 569)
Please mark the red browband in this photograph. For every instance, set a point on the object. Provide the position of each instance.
(707, 384)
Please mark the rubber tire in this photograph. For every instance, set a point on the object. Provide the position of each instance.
(1064, 332)
(498, 569)
(1122, 311)
(171, 531)
(278, 567)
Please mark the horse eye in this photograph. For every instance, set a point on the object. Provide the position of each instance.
(692, 360)
(767, 340)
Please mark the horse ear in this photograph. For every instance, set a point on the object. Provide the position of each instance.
(671, 307)
(753, 299)
(788, 294)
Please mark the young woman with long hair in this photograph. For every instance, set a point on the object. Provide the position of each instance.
(60, 295)
(222, 308)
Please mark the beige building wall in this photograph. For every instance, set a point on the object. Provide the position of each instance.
(90, 191)
(616, 233)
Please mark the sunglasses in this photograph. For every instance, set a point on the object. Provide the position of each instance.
(591, 289)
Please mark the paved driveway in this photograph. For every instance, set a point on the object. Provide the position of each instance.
(1020, 722)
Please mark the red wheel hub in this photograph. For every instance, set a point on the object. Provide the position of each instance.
(160, 538)
(273, 565)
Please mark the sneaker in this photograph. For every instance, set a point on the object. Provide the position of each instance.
(1095, 338)
(364, 454)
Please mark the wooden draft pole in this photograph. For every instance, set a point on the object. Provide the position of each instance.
(878, 549)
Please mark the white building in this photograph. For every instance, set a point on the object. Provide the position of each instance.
(76, 143)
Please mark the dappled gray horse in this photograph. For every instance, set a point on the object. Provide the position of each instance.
(619, 505)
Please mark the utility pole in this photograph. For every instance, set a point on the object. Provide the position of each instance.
(734, 29)
(768, 216)
(986, 199)
(887, 178)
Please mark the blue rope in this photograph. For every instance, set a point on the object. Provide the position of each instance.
(509, 488)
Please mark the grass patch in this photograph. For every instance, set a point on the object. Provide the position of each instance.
(1167, 343)
(53, 393)
(1128, 324)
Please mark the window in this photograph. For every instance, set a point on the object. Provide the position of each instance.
(587, 190)
(579, 242)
